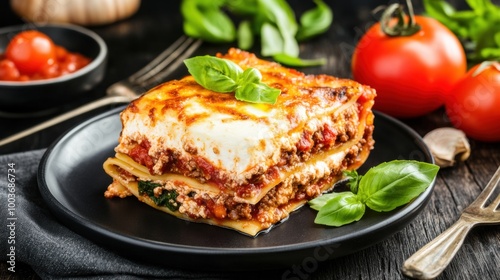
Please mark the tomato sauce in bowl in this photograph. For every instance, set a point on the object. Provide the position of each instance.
(31, 55)
(65, 63)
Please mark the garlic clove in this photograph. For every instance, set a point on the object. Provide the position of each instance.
(448, 146)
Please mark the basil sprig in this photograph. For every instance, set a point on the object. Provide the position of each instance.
(272, 21)
(383, 188)
(477, 27)
(225, 76)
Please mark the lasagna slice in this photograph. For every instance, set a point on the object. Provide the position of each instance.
(206, 157)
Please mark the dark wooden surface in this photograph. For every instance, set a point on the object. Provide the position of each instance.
(135, 41)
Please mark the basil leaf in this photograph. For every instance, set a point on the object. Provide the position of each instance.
(320, 201)
(257, 93)
(206, 20)
(342, 209)
(243, 7)
(217, 74)
(250, 75)
(272, 42)
(392, 184)
(245, 35)
(315, 21)
(296, 61)
(282, 15)
(222, 75)
(273, 20)
(354, 179)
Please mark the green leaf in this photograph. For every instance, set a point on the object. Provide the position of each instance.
(282, 16)
(443, 12)
(220, 75)
(242, 7)
(463, 16)
(315, 21)
(272, 42)
(245, 35)
(273, 21)
(489, 54)
(296, 61)
(321, 200)
(257, 93)
(250, 75)
(476, 27)
(223, 75)
(479, 6)
(496, 37)
(438, 9)
(206, 20)
(280, 13)
(166, 198)
(392, 184)
(354, 179)
(342, 209)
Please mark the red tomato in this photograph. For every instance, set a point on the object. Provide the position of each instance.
(411, 74)
(474, 104)
(8, 71)
(31, 51)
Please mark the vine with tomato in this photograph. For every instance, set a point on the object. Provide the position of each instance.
(418, 64)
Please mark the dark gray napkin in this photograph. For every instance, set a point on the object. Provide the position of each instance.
(56, 252)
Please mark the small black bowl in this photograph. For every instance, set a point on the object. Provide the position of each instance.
(30, 98)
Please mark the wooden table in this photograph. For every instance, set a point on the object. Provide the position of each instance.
(134, 42)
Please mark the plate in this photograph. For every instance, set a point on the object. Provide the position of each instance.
(72, 182)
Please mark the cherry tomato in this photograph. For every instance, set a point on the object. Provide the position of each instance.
(411, 73)
(8, 71)
(473, 106)
(31, 51)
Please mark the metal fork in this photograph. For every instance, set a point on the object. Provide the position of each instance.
(433, 258)
(129, 89)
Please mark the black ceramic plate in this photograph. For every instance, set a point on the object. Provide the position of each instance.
(72, 182)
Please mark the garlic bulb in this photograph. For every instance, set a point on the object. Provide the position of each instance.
(81, 12)
(448, 146)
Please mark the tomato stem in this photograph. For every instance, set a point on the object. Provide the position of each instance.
(485, 65)
(402, 27)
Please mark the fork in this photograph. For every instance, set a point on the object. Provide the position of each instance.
(128, 89)
(432, 259)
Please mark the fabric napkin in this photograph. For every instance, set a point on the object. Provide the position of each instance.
(56, 252)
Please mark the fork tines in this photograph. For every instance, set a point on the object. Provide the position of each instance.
(166, 62)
